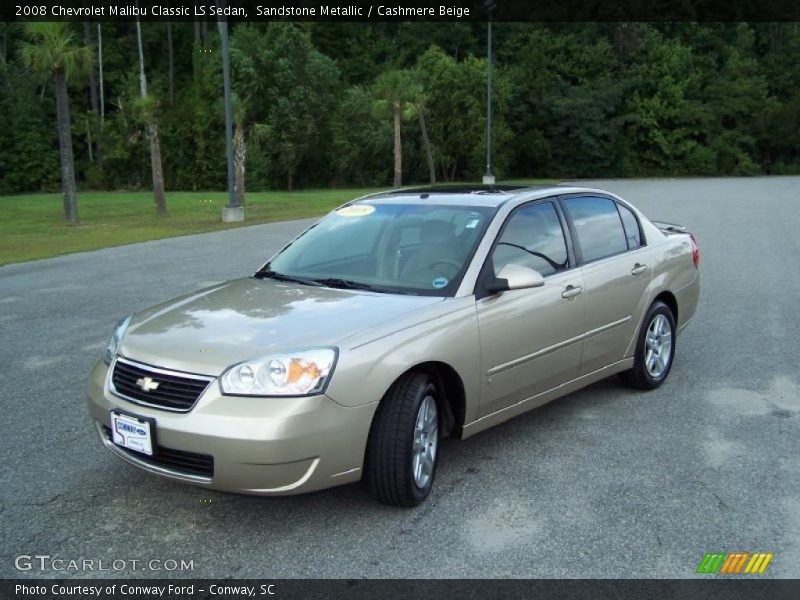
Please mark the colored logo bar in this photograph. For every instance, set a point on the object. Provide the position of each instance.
(733, 563)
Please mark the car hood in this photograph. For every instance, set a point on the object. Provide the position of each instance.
(207, 331)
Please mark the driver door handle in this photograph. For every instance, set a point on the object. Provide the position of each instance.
(638, 269)
(571, 291)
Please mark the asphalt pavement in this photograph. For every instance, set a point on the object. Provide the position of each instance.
(606, 482)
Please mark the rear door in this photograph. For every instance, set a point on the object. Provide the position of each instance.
(530, 338)
(608, 244)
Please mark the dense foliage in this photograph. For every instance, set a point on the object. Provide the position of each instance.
(571, 100)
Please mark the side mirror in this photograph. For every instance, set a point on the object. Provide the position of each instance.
(516, 277)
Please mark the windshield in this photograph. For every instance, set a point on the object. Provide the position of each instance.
(400, 248)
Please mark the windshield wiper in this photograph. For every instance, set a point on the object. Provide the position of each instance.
(349, 284)
(283, 277)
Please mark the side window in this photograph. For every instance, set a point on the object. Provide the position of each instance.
(598, 226)
(532, 238)
(631, 225)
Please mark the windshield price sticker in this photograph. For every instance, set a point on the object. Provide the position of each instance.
(357, 210)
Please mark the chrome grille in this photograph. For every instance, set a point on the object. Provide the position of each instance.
(175, 390)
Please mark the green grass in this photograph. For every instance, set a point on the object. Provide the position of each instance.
(32, 225)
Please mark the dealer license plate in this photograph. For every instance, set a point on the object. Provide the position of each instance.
(132, 433)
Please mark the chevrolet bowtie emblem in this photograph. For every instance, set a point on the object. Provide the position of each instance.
(147, 384)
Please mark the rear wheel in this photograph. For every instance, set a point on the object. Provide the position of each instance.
(655, 349)
(403, 446)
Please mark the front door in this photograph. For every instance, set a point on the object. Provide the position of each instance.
(531, 339)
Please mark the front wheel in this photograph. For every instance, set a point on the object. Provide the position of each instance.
(403, 446)
(655, 349)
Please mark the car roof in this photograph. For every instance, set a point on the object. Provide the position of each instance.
(468, 195)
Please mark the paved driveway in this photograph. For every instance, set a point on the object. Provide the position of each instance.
(603, 483)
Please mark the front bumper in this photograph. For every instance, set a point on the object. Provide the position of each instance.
(267, 446)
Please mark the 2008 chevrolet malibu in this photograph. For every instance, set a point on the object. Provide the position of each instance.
(396, 320)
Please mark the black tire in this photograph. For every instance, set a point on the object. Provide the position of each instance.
(389, 460)
(640, 377)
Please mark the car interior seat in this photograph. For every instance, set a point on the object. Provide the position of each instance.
(438, 255)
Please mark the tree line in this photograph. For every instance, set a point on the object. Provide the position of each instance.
(346, 104)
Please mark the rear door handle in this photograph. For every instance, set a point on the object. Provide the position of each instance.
(571, 291)
(638, 269)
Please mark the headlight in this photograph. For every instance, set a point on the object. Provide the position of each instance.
(119, 331)
(300, 373)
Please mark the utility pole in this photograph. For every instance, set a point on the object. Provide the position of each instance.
(232, 211)
(488, 178)
(100, 63)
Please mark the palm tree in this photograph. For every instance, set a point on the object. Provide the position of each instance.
(94, 105)
(52, 51)
(418, 100)
(152, 131)
(391, 91)
(239, 146)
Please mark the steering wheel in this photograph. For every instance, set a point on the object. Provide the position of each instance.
(445, 261)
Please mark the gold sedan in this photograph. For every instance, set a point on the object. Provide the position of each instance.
(397, 319)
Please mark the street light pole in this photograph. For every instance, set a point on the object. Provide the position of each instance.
(488, 178)
(232, 211)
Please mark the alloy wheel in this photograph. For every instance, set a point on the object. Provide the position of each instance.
(426, 442)
(658, 346)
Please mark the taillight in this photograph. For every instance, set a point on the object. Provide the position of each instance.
(695, 252)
